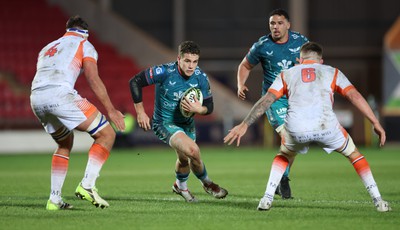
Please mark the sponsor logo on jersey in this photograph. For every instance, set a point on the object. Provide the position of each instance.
(295, 50)
(281, 111)
(170, 104)
(295, 36)
(158, 70)
(178, 95)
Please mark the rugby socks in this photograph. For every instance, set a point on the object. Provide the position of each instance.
(364, 171)
(97, 157)
(181, 180)
(278, 167)
(203, 177)
(59, 168)
(287, 171)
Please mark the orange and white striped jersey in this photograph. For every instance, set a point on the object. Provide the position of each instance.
(310, 87)
(60, 62)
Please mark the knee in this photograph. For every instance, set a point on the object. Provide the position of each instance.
(289, 155)
(193, 152)
(110, 134)
(105, 137)
(65, 144)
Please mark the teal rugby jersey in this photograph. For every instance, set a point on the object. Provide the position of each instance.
(275, 57)
(170, 86)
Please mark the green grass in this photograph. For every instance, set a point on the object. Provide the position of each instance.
(137, 183)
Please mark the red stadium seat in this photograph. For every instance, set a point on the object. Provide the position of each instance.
(21, 40)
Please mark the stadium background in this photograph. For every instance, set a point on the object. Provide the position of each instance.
(360, 37)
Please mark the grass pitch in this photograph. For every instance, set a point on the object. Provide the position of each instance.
(137, 183)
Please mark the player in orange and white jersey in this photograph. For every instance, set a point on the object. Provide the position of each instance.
(309, 88)
(61, 109)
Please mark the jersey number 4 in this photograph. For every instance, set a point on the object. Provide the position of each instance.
(308, 74)
(53, 50)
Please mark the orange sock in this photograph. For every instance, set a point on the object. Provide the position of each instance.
(361, 165)
(97, 157)
(59, 168)
(278, 167)
(364, 171)
(99, 153)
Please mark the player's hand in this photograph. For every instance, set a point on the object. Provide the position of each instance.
(241, 93)
(381, 133)
(117, 118)
(143, 121)
(236, 133)
(192, 107)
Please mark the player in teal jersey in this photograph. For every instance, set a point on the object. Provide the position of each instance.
(170, 126)
(276, 51)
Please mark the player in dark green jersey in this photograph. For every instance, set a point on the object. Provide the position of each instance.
(276, 51)
(171, 81)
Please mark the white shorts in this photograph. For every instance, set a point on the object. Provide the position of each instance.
(56, 108)
(330, 140)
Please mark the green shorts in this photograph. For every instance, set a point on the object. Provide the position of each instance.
(277, 112)
(165, 130)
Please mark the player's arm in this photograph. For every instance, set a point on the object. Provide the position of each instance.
(136, 85)
(256, 112)
(259, 108)
(209, 105)
(361, 104)
(243, 73)
(203, 109)
(99, 89)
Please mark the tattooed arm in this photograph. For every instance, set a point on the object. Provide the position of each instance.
(257, 111)
(259, 108)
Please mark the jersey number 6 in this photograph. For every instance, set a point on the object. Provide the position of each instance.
(308, 74)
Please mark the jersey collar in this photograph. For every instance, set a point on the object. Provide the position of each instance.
(308, 61)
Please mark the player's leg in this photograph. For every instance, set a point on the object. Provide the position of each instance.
(59, 167)
(166, 133)
(187, 148)
(104, 136)
(276, 117)
(182, 171)
(64, 140)
(279, 165)
(284, 189)
(360, 164)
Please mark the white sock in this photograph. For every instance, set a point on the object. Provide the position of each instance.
(182, 185)
(59, 168)
(278, 167)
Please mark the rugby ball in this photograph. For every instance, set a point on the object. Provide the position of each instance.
(190, 94)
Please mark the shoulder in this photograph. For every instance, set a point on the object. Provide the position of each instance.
(200, 74)
(264, 40)
(162, 68)
(88, 44)
(262, 43)
(298, 36)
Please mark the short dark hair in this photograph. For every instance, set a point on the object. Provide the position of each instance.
(189, 47)
(280, 12)
(76, 22)
(312, 47)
